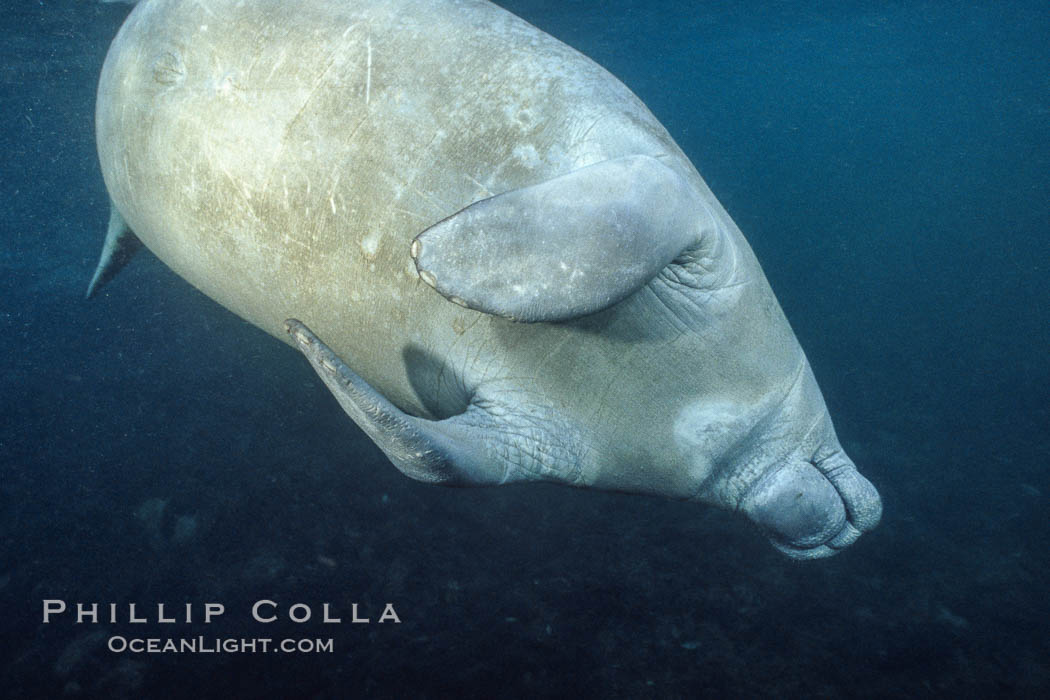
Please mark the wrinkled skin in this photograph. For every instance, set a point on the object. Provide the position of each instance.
(283, 158)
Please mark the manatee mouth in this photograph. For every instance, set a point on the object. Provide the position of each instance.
(811, 511)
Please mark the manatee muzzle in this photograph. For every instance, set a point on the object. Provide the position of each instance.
(809, 512)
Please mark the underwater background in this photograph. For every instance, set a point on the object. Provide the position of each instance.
(889, 162)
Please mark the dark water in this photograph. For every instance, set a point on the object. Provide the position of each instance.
(890, 165)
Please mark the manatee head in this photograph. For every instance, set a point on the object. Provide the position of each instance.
(810, 510)
(780, 464)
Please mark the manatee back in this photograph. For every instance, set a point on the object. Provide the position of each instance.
(282, 156)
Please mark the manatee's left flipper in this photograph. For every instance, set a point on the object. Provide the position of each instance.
(120, 246)
(565, 247)
(477, 447)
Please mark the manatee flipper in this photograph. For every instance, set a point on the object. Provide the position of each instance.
(120, 246)
(566, 247)
(481, 446)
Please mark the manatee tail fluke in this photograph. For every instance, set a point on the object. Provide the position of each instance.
(120, 246)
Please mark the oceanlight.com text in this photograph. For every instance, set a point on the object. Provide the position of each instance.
(217, 645)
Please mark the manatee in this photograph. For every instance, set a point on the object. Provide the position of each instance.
(490, 251)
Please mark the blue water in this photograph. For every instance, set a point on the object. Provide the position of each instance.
(890, 165)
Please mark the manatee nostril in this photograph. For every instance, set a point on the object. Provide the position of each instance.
(797, 506)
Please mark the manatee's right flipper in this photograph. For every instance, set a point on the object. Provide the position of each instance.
(481, 446)
(120, 246)
(565, 247)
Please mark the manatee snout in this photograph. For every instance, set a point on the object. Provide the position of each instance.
(810, 512)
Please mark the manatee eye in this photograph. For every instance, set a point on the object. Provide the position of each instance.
(168, 68)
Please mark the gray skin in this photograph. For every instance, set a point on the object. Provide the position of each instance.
(516, 273)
